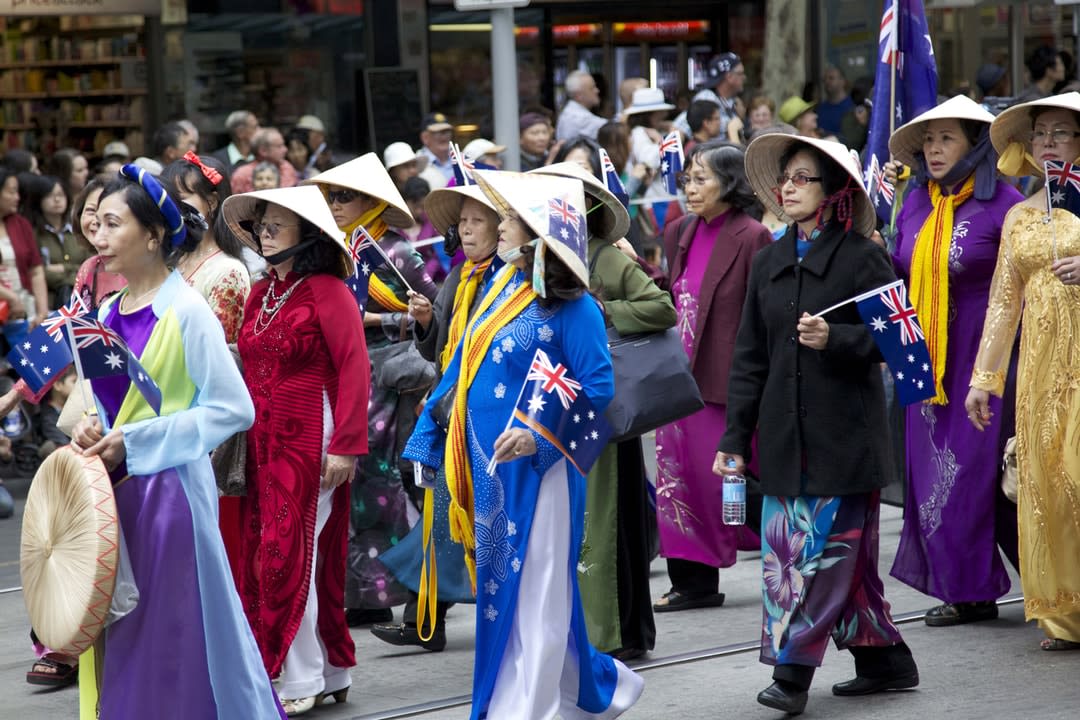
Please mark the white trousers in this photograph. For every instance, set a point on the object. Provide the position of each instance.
(538, 673)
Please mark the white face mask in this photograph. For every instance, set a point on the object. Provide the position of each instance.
(509, 256)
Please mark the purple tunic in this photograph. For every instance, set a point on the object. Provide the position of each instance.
(948, 544)
(688, 494)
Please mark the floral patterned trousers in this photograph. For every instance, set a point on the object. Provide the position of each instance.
(820, 578)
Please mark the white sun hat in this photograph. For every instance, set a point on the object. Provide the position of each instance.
(908, 138)
(366, 174)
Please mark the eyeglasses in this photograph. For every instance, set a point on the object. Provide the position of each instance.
(1059, 136)
(797, 180)
(687, 179)
(344, 197)
(271, 228)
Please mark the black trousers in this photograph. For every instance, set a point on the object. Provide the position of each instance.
(633, 552)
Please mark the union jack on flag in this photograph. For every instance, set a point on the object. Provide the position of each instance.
(54, 324)
(1062, 186)
(367, 257)
(573, 425)
(566, 223)
(671, 160)
(462, 166)
(896, 330)
(88, 332)
(612, 181)
(887, 37)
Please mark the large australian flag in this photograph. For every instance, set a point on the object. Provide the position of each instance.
(904, 48)
(1063, 186)
(899, 337)
(553, 404)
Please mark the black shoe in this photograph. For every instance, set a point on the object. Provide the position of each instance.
(358, 617)
(406, 635)
(960, 613)
(869, 686)
(782, 696)
(675, 600)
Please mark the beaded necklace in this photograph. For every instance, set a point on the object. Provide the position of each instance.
(268, 312)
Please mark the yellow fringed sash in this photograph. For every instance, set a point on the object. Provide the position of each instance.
(474, 348)
(930, 276)
(378, 291)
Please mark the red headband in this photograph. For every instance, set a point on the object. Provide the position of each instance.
(208, 172)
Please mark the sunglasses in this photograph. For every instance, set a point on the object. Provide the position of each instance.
(343, 197)
(271, 228)
(797, 180)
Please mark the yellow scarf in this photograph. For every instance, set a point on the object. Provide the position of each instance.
(378, 291)
(472, 274)
(475, 344)
(930, 276)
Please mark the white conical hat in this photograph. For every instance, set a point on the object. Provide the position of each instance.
(763, 166)
(306, 201)
(366, 174)
(553, 207)
(908, 138)
(615, 220)
(443, 205)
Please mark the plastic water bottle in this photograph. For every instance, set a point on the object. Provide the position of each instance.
(734, 509)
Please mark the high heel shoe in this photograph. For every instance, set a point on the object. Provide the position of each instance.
(339, 696)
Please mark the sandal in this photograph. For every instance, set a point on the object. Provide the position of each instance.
(675, 600)
(52, 673)
(1054, 644)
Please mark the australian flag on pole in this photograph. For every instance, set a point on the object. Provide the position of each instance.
(899, 337)
(906, 74)
(1063, 186)
(612, 181)
(41, 357)
(553, 404)
(103, 353)
(671, 160)
(462, 167)
(367, 257)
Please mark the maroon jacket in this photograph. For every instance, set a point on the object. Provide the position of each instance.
(27, 255)
(723, 289)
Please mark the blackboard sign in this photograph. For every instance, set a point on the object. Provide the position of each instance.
(392, 99)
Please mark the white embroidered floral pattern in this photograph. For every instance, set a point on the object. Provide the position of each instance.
(508, 345)
(496, 356)
(500, 391)
(516, 564)
(545, 333)
(490, 613)
(491, 587)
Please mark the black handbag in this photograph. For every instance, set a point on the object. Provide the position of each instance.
(653, 383)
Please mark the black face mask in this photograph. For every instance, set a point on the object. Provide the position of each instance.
(284, 255)
(451, 240)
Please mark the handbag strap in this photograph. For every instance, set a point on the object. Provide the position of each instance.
(594, 256)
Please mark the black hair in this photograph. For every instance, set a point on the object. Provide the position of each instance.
(7, 172)
(322, 256)
(19, 160)
(415, 188)
(33, 189)
(727, 162)
(640, 119)
(1039, 110)
(1042, 59)
(833, 177)
(165, 137)
(585, 143)
(147, 214)
(182, 177)
(79, 203)
(700, 112)
(560, 281)
(62, 164)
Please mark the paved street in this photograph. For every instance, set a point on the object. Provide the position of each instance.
(990, 670)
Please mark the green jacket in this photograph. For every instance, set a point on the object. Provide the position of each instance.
(632, 301)
(70, 253)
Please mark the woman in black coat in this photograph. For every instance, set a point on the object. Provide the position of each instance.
(812, 387)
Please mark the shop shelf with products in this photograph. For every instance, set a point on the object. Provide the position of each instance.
(72, 81)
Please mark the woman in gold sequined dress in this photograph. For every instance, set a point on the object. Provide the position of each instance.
(1037, 278)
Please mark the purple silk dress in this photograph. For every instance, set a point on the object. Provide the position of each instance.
(948, 543)
(688, 495)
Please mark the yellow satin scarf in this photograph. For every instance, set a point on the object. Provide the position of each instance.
(472, 274)
(378, 291)
(475, 344)
(930, 276)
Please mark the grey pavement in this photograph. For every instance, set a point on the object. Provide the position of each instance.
(992, 670)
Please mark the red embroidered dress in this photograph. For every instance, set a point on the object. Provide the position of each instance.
(309, 362)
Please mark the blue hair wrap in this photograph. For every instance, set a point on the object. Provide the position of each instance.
(174, 222)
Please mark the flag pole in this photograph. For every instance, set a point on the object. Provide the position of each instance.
(892, 108)
(509, 421)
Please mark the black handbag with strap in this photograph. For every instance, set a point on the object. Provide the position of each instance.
(653, 382)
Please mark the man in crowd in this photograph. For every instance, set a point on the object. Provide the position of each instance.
(241, 126)
(170, 142)
(435, 135)
(724, 78)
(704, 120)
(1047, 70)
(835, 104)
(269, 147)
(577, 117)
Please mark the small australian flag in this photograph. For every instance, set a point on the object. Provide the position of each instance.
(367, 257)
(899, 337)
(671, 160)
(462, 168)
(612, 181)
(567, 224)
(40, 358)
(103, 353)
(553, 404)
(1063, 186)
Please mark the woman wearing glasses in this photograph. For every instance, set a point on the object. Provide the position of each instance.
(812, 388)
(709, 252)
(360, 193)
(1036, 280)
(955, 515)
(306, 368)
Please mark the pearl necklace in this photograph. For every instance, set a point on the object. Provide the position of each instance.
(268, 312)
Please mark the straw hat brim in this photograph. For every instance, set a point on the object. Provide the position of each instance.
(907, 141)
(614, 219)
(443, 205)
(656, 107)
(304, 200)
(1014, 124)
(763, 165)
(366, 174)
(491, 182)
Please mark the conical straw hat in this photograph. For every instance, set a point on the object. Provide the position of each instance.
(1015, 123)
(366, 174)
(763, 166)
(908, 138)
(443, 205)
(553, 207)
(614, 221)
